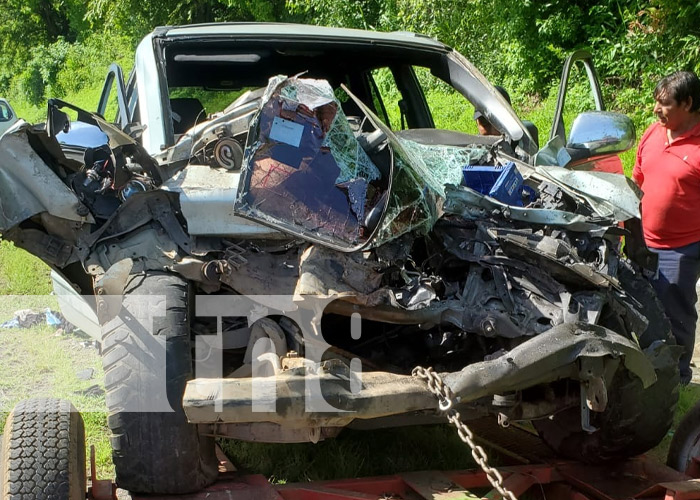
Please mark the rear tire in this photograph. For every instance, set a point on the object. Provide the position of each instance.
(635, 419)
(153, 451)
(686, 441)
(43, 452)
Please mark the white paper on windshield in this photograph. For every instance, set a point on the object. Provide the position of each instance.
(286, 131)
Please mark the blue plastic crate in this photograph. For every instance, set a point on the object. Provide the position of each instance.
(502, 182)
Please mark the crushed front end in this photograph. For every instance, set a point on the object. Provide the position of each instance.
(523, 302)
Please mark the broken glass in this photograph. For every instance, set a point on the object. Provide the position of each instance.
(415, 192)
(443, 164)
(412, 204)
(304, 171)
(352, 160)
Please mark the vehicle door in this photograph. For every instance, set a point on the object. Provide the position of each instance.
(118, 102)
(576, 136)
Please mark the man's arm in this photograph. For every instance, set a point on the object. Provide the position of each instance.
(637, 173)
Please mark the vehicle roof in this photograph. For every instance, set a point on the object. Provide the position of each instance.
(297, 45)
(289, 30)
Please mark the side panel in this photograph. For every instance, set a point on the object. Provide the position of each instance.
(206, 198)
(28, 186)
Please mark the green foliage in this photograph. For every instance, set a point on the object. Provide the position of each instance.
(27, 24)
(362, 14)
(650, 41)
(520, 45)
(71, 71)
(135, 18)
(86, 62)
(39, 77)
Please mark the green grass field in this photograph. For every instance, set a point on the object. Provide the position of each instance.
(41, 362)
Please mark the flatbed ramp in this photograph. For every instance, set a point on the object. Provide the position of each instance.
(638, 478)
(529, 469)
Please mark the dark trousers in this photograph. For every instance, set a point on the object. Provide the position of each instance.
(679, 270)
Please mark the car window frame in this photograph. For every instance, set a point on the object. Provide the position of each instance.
(586, 58)
(115, 76)
(10, 111)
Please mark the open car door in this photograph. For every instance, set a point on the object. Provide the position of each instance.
(582, 147)
(586, 60)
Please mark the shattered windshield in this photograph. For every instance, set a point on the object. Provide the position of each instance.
(309, 172)
(304, 169)
(443, 164)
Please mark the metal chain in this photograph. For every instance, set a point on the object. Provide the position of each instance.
(445, 402)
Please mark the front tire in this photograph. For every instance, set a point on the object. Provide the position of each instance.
(685, 444)
(635, 419)
(147, 362)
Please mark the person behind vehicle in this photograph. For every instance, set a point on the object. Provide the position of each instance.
(667, 170)
(484, 126)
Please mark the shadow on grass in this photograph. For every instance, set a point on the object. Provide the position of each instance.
(354, 454)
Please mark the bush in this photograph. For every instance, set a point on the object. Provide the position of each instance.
(73, 72)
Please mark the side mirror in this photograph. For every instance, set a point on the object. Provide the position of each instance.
(597, 133)
(57, 121)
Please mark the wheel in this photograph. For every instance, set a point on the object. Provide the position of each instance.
(147, 362)
(685, 444)
(635, 419)
(43, 452)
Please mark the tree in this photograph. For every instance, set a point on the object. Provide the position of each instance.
(34, 24)
(136, 17)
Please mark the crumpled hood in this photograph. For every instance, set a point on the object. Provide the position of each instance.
(609, 193)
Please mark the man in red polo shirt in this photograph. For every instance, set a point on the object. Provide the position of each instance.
(668, 171)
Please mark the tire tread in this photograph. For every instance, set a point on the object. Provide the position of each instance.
(43, 453)
(154, 452)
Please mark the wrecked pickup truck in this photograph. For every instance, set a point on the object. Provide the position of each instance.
(274, 230)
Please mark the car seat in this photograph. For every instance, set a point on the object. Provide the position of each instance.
(187, 111)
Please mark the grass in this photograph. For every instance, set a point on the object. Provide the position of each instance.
(86, 99)
(21, 273)
(354, 454)
(38, 361)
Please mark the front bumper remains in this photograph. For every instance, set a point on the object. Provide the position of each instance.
(332, 395)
